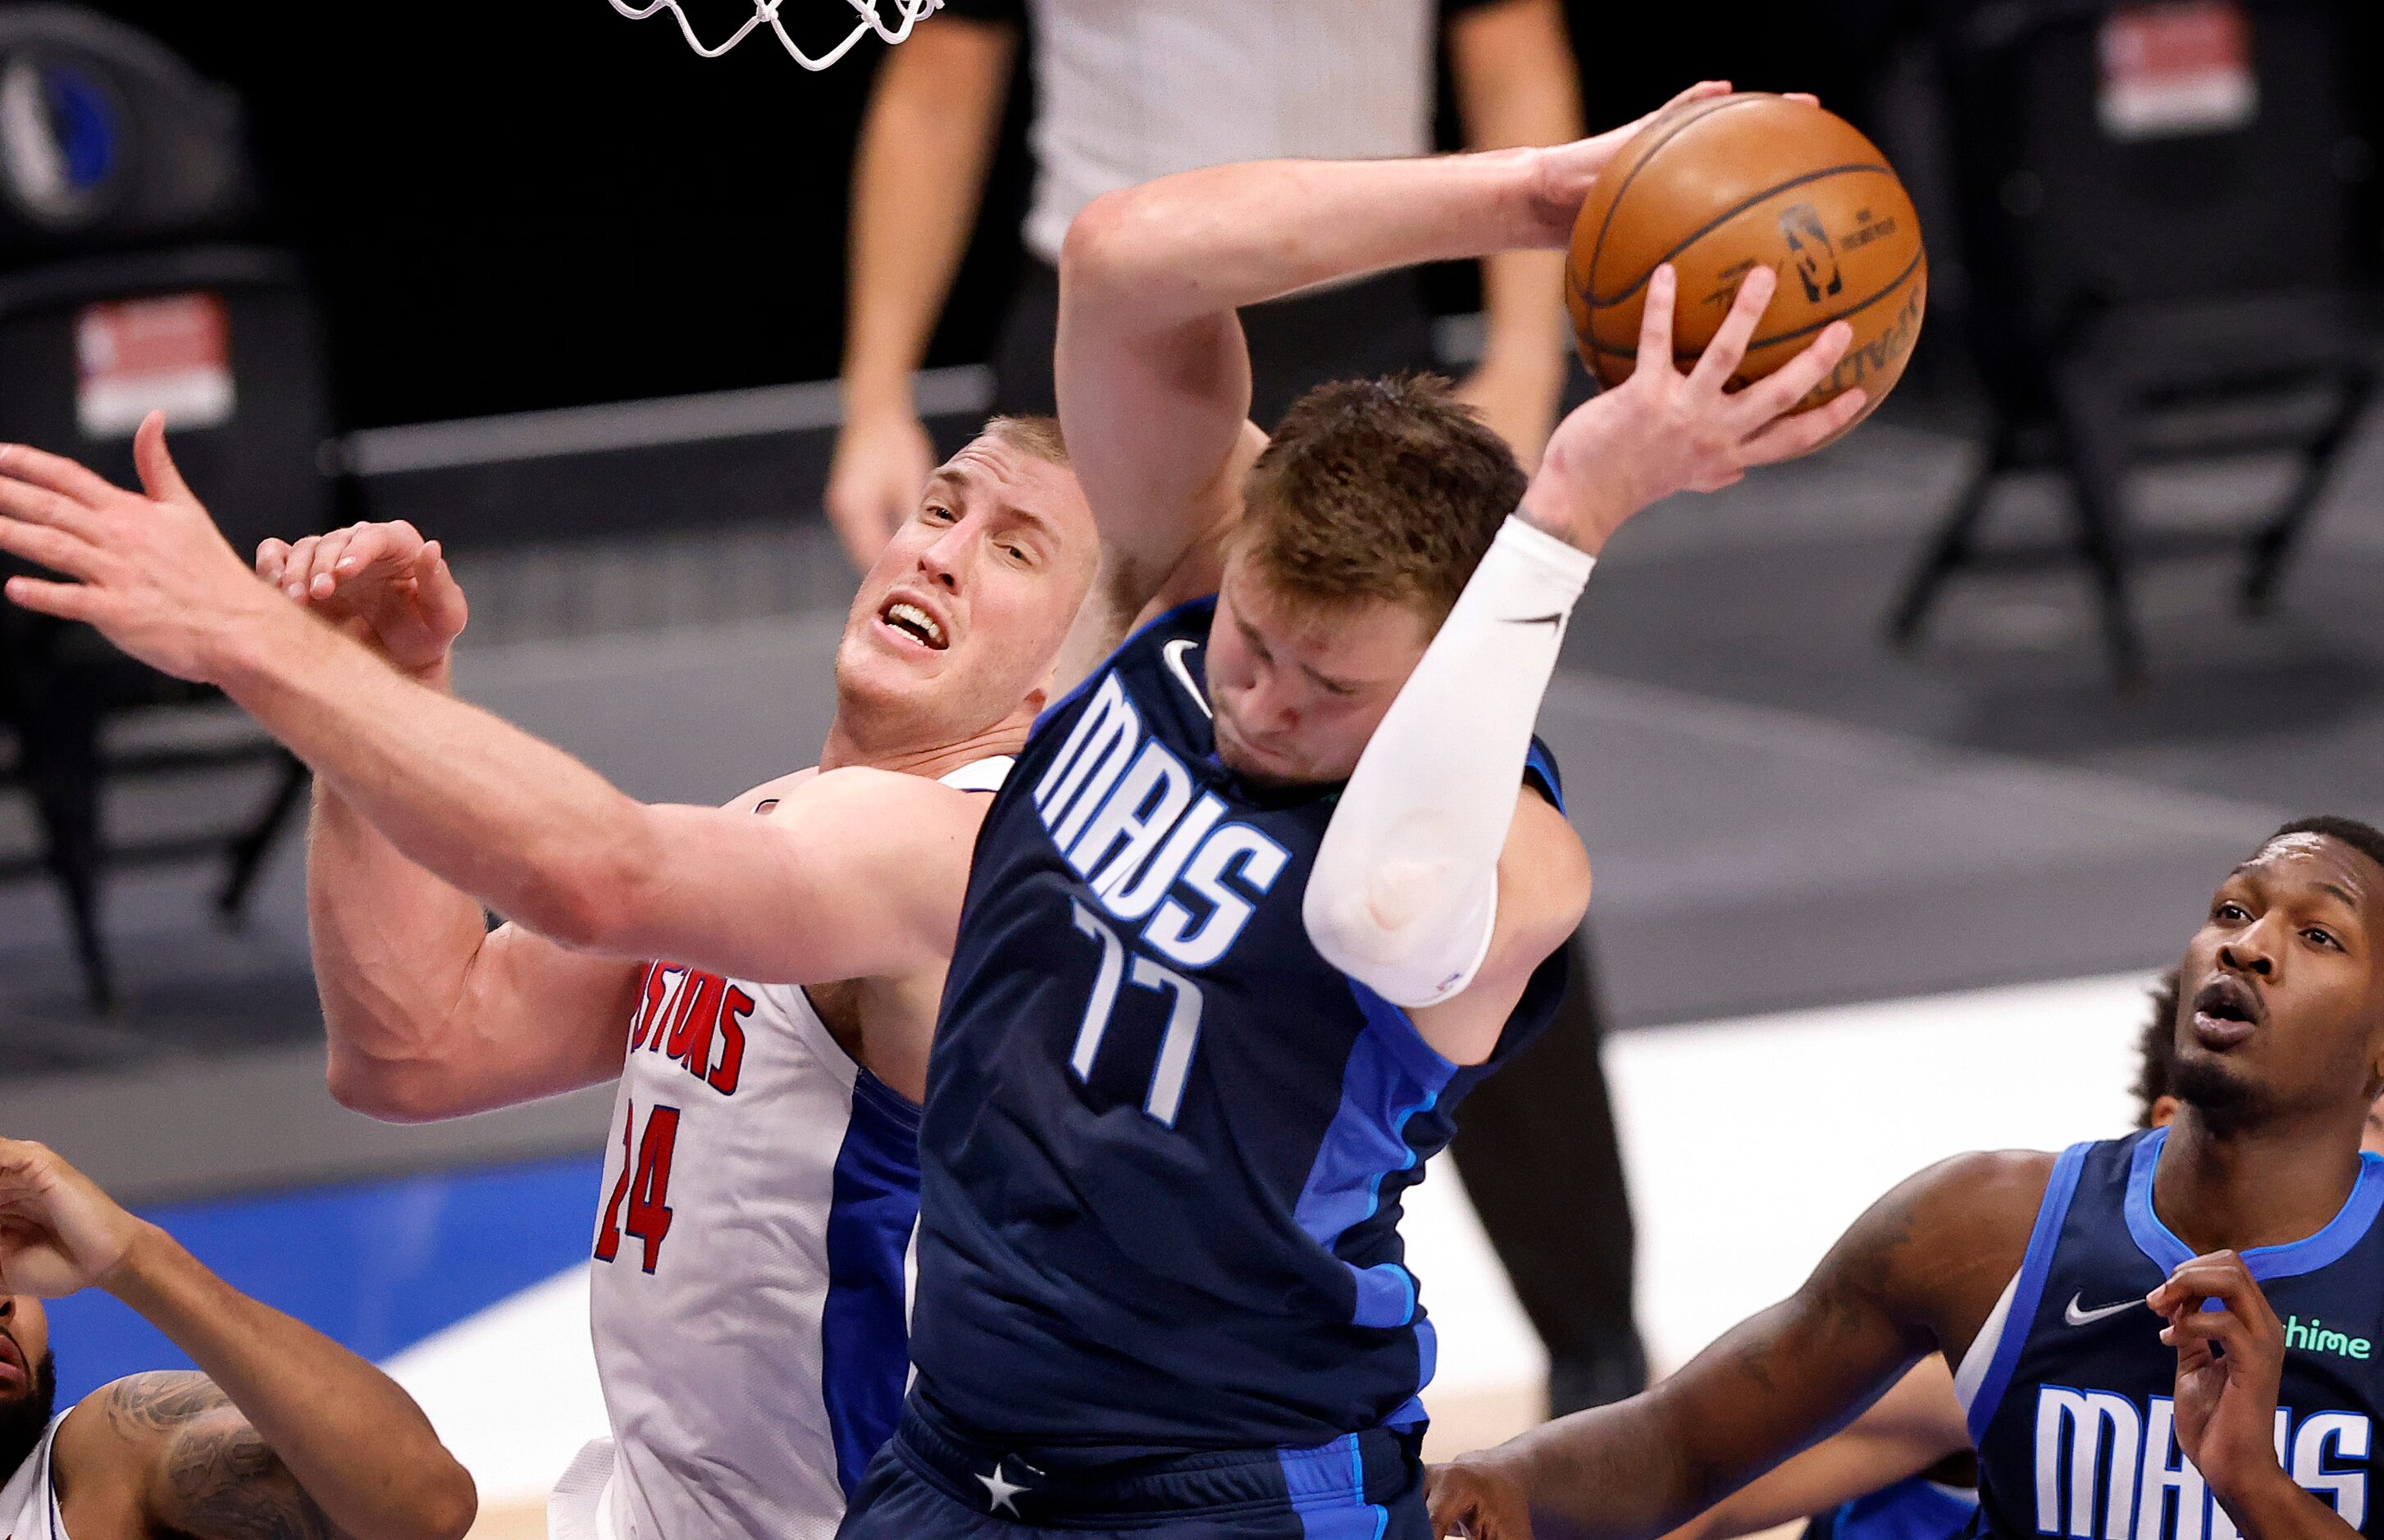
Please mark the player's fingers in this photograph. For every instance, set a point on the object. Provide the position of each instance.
(38, 505)
(393, 545)
(1805, 96)
(1781, 389)
(46, 547)
(2222, 1329)
(323, 564)
(1655, 321)
(56, 473)
(160, 477)
(66, 600)
(299, 566)
(2220, 1275)
(1803, 432)
(1727, 349)
(272, 557)
(1697, 92)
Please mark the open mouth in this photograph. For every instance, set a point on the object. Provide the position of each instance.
(907, 619)
(2225, 1010)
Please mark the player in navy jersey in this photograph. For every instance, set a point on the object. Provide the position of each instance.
(2168, 1336)
(1272, 885)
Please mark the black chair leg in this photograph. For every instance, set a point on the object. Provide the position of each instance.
(2093, 454)
(1951, 548)
(249, 851)
(62, 772)
(2274, 542)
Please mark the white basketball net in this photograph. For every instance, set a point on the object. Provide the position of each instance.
(906, 14)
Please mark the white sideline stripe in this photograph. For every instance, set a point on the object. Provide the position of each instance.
(1750, 1143)
(810, 405)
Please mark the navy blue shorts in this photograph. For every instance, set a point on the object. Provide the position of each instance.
(927, 1484)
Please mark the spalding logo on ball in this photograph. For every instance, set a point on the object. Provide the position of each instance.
(1723, 186)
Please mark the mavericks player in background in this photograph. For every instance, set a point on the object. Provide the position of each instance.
(286, 1435)
(747, 1297)
(2243, 1399)
(1904, 1469)
(1273, 885)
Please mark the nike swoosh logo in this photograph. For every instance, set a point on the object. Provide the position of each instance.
(2076, 1317)
(1174, 652)
(1554, 617)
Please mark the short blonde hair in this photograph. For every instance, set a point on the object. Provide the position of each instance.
(1037, 436)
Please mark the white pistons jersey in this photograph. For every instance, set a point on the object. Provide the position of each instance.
(749, 1295)
(28, 1504)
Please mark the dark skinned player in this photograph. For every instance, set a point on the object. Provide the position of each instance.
(2170, 1337)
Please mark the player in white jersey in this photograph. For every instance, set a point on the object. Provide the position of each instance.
(747, 1300)
(286, 1435)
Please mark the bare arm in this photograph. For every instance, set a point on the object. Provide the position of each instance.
(857, 874)
(285, 1433)
(1906, 1431)
(1517, 84)
(429, 1014)
(918, 176)
(1917, 1272)
(1153, 372)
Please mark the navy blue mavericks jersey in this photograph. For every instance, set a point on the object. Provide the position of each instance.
(2073, 1422)
(1165, 1141)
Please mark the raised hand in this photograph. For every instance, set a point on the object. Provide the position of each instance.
(152, 572)
(1566, 171)
(882, 462)
(1663, 431)
(1473, 1496)
(382, 583)
(59, 1232)
(2230, 1362)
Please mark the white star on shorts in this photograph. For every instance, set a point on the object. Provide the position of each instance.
(999, 1494)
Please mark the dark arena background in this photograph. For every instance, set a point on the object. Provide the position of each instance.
(1903, 769)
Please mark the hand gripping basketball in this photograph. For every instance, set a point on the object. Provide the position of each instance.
(1663, 431)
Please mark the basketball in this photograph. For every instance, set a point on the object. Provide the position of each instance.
(1720, 186)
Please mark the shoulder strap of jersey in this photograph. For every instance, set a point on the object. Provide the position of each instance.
(2027, 1289)
(1190, 619)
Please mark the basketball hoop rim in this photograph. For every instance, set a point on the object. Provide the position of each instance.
(908, 15)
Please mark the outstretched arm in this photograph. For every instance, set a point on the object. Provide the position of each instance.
(428, 1014)
(1154, 376)
(859, 875)
(1906, 1431)
(1428, 888)
(1918, 1273)
(284, 1434)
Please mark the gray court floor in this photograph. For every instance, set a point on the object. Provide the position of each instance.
(1780, 811)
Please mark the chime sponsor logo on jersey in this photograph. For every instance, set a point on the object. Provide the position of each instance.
(2107, 1469)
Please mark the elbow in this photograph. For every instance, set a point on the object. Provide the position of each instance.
(394, 1091)
(444, 1504)
(1105, 251)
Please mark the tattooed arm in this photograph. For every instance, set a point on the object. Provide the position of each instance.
(285, 1435)
(1920, 1271)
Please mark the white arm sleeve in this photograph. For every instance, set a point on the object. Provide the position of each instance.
(1405, 890)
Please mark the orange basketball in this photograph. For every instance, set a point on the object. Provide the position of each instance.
(1720, 186)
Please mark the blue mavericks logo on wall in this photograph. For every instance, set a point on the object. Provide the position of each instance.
(61, 141)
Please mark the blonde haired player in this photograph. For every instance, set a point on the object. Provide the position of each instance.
(762, 977)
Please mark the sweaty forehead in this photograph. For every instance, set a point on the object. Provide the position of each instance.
(2318, 861)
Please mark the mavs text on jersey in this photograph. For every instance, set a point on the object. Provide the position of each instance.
(1165, 1140)
(2069, 1390)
